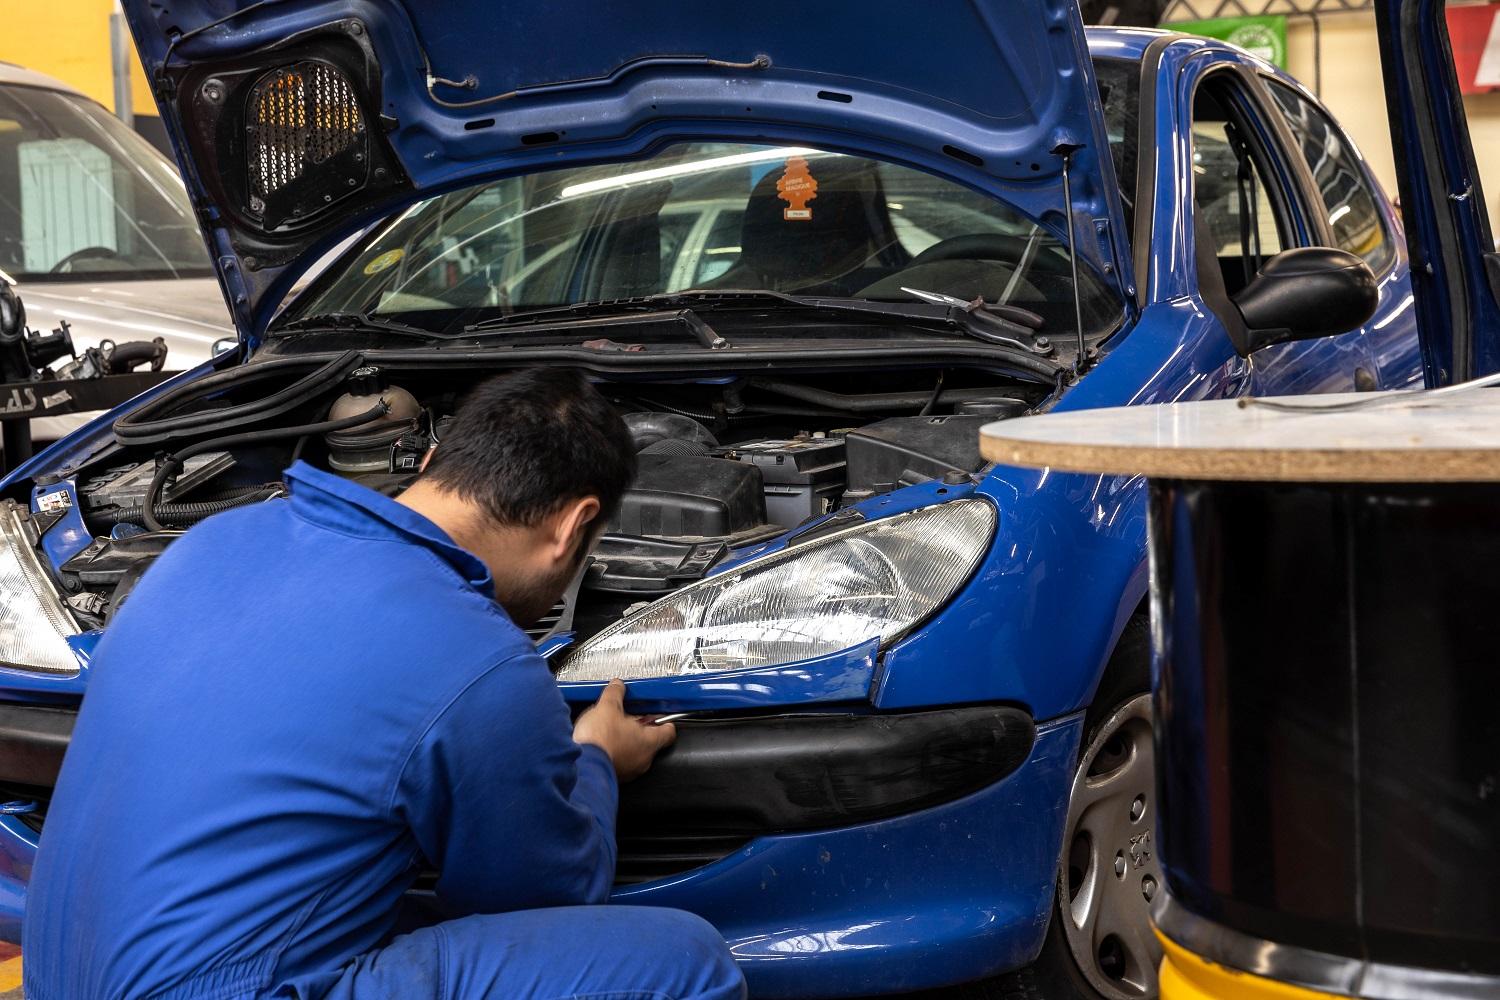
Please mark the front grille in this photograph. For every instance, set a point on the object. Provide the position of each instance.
(300, 115)
(650, 857)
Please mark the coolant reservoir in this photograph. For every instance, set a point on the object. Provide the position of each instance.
(367, 448)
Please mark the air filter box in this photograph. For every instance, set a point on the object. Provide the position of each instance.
(803, 477)
(690, 496)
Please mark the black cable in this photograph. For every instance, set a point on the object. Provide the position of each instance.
(192, 513)
(937, 392)
(172, 463)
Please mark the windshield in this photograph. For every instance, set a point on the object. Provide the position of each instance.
(83, 196)
(704, 216)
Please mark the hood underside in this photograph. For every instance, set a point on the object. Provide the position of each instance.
(298, 123)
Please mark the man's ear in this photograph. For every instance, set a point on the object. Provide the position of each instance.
(572, 526)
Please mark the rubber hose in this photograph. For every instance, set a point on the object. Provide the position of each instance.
(171, 463)
(136, 428)
(648, 428)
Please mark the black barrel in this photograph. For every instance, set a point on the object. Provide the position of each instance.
(1328, 707)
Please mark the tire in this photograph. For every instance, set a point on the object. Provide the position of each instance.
(1071, 966)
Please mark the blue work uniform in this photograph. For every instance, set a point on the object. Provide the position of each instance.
(304, 704)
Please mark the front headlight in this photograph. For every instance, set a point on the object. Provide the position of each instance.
(828, 594)
(34, 622)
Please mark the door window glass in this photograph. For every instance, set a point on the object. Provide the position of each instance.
(1353, 212)
(1233, 203)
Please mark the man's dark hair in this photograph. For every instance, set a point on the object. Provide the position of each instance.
(524, 443)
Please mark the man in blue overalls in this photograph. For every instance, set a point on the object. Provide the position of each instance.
(305, 703)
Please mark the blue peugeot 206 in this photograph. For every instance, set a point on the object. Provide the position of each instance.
(807, 250)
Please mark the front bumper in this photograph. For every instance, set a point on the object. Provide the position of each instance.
(877, 903)
(948, 894)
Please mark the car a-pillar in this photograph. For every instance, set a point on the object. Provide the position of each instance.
(1325, 604)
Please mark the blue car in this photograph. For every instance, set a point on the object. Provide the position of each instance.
(808, 250)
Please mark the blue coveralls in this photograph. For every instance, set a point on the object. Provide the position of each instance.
(303, 704)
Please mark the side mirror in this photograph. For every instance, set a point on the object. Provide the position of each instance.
(1305, 293)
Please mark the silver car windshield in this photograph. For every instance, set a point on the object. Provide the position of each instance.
(82, 196)
(697, 216)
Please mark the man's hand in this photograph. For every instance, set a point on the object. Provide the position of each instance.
(631, 741)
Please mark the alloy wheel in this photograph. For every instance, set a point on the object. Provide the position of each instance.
(1110, 872)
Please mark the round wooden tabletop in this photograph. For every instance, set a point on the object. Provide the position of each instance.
(1406, 437)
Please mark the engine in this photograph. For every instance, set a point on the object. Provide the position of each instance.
(720, 467)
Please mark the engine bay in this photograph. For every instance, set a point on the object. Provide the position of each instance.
(721, 464)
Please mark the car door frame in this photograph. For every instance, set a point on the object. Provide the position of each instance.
(1326, 364)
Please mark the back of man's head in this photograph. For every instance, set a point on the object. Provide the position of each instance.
(524, 443)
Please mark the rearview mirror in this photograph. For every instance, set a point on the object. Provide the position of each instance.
(1305, 293)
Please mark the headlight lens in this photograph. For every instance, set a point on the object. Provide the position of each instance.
(873, 580)
(34, 622)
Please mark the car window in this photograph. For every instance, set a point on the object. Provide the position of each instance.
(1120, 96)
(1233, 204)
(706, 215)
(1353, 212)
(83, 196)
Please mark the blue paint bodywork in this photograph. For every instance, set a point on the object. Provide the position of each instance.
(965, 889)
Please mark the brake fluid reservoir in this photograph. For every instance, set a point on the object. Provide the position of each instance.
(367, 447)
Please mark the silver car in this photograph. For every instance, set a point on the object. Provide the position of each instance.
(96, 230)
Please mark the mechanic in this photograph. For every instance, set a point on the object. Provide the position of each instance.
(307, 702)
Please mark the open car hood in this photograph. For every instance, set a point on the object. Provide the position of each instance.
(297, 122)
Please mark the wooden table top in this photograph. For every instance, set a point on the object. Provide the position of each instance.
(1407, 437)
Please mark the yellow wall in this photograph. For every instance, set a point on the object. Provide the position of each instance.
(69, 39)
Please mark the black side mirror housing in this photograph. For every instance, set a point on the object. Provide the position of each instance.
(1306, 293)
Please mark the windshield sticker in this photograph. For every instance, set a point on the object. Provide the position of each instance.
(384, 261)
(797, 187)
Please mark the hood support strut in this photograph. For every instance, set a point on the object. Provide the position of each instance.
(1066, 151)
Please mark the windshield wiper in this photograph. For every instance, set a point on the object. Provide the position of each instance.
(353, 321)
(1007, 326)
(992, 321)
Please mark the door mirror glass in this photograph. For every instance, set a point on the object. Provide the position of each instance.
(1305, 293)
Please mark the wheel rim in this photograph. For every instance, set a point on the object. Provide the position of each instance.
(1109, 872)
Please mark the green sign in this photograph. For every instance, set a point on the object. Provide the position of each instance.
(1264, 36)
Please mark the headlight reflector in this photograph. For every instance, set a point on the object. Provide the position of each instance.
(874, 580)
(34, 622)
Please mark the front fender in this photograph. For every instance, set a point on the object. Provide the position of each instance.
(1039, 620)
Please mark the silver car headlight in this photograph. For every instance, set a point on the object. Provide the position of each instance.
(34, 622)
(874, 580)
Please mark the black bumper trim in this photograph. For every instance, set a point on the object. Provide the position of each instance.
(760, 775)
(33, 739)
